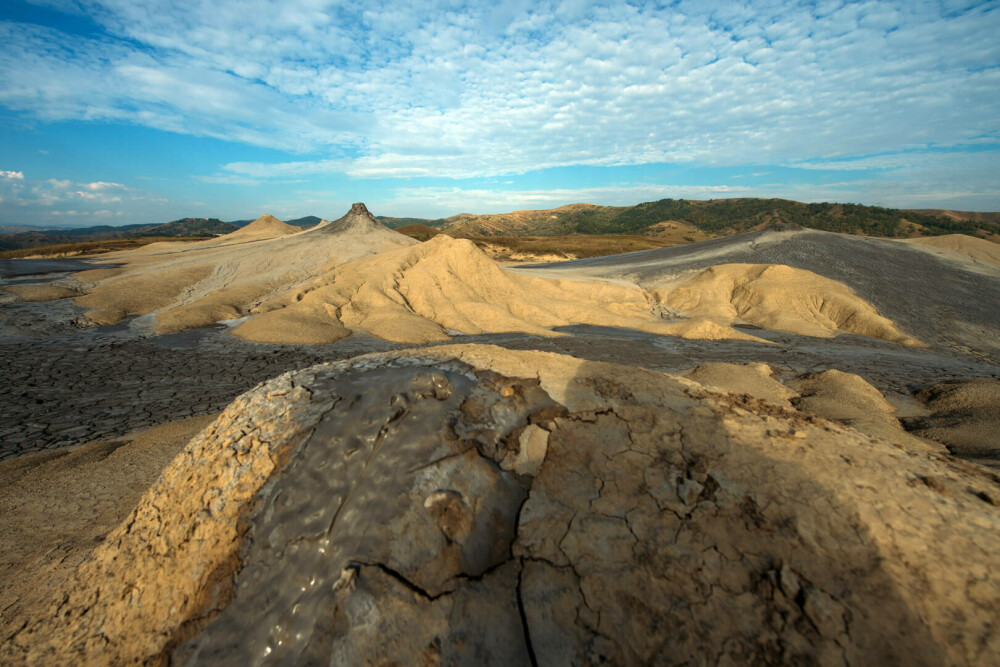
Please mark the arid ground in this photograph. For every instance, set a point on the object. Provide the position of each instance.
(343, 445)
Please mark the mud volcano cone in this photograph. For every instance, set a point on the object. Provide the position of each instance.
(358, 220)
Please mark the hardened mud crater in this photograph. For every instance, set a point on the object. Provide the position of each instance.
(395, 499)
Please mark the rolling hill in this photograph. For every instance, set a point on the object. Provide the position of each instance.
(185, 227)
(716, 217)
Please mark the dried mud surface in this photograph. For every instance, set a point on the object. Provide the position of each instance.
(469, 503)
(661, 522)
(946, 301)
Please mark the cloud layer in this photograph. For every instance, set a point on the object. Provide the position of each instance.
(461, 90)
(456, 90)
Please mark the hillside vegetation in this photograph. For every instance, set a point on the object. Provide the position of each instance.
(185, 227)
(717, 217)
(531, 248)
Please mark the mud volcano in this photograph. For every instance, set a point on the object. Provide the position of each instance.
(470, 504)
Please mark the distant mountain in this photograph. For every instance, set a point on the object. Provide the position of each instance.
(396, 223)
(306, 222)
(186, 227)
(717, 217)
(672, 220)
(15, 229)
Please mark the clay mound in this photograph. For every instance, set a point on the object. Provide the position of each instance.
(458, 502)
(420, 294)
(264, 227)
(780, 298)
(965, 416)
(753, 379)
(851, 400)
(902, 280)
(980, 251)
(356, 221)
(199, 284)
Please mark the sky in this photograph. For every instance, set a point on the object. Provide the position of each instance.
(131, 111)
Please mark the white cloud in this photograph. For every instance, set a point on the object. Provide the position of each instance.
(103, 185)
(46, 200)
(393, 89)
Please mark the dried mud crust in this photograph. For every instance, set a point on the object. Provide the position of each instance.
(64, 383)
(948, 303)
(663, 524)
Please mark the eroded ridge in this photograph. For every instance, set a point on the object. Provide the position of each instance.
(469, 504)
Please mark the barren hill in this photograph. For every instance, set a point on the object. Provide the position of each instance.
(192, 285)
(264, 227)
(937, 297)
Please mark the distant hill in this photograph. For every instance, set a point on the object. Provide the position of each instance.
(396, 223)
(418, 231)
(189, 227)
(306, 222)
(667, 220)
(717, 217)
(186, 227)
(976, 216)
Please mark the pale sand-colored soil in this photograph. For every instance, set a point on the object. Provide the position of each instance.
(842, 397)
(264, 227)
(850, 400)
(354, 274)
(961, 247)
(55, 507)
(779, 298)
(42, 292)
(419, 294)
(195, 284)
(947, 303)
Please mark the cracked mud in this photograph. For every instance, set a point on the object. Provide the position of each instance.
(661, 522)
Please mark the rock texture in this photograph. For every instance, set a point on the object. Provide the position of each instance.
(469, 504)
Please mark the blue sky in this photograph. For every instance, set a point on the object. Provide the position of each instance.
(125, 111)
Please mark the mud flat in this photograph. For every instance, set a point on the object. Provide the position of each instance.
(947, 301)
(62, 385)
(442, 504)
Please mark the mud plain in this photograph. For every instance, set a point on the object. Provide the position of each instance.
(741, 521)
(63, 384)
